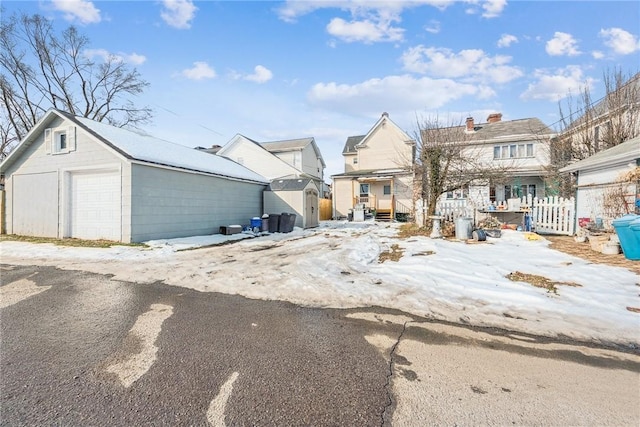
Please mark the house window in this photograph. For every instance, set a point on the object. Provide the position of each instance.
(512, 151)
(492, 193)
(355, 160)
(386, 190)
(364, 190)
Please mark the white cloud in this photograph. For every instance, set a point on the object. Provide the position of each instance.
(293, 9)
(562, 44)
(82, 11)
(554, 86)
(104, 55)
(597, 54)
(178, 13)
(199, 71)
(392, 92)
(433, 27)
(366, 31)
(473, 64)
(261, 75)
(507, 40)
(620, 41)
(493, 8)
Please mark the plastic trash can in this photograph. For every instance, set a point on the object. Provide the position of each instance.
(292, 222)
(634, 249)
(256, 224)
(274, 223)
(284, 222)
(264, 226)
(628, 240)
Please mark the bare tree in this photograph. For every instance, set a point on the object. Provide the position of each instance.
(449, 159)
(588, 126)
(41, 69)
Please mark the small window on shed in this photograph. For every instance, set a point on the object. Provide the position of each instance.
(60, 143)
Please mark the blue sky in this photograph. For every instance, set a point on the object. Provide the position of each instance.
(328, 69)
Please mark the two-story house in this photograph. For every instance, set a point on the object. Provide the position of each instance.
(378, 172)
(295, 169)
(517, 153)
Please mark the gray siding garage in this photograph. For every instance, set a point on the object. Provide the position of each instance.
(73, 177)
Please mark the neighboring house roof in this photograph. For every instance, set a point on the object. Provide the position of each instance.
(292, 145)
(628, 151)
(510, 130)
(289, 184)
(353, 142)
(143, 148)
(350, 145)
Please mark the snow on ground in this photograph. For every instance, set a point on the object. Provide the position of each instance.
(337, 265)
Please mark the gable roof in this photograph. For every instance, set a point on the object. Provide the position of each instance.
(143, 148)
(625, 152)
(510, 130)
(353, 142)
(293, 145)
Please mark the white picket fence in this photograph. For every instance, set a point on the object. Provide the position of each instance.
(549, 215)
(554, 215)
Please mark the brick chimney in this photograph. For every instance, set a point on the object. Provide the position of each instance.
(495, 117)
(470, 124)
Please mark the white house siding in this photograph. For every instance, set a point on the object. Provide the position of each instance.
(257, 159)
(310, 163)
(51, 193)
(592, 185)
(170, 203)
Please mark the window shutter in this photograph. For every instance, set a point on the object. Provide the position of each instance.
(71, 138)
(47, 141)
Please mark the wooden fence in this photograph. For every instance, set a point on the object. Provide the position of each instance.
(326, 209)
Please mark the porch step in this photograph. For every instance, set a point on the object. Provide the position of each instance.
(383, 215)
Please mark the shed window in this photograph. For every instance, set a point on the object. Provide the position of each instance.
(386, 189)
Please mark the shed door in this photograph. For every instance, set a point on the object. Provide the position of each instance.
(35, 204)
(311, 209)
(95, 206)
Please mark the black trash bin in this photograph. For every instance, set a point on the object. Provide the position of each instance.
(274, 223)
(284, 223)
(292, 222)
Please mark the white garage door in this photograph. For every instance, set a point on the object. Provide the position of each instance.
(35, 204)
(95, 206)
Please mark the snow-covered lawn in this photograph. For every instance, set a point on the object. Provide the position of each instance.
(337, 265)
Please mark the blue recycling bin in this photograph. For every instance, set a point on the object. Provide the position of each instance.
(256, 223)
(635, 246)
(629, 238)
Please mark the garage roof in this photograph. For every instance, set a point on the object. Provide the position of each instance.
(626, 152)
(146, 148)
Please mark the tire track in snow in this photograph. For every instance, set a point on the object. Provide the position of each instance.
(142, 336)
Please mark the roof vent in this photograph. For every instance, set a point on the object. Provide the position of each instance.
(385, 114)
